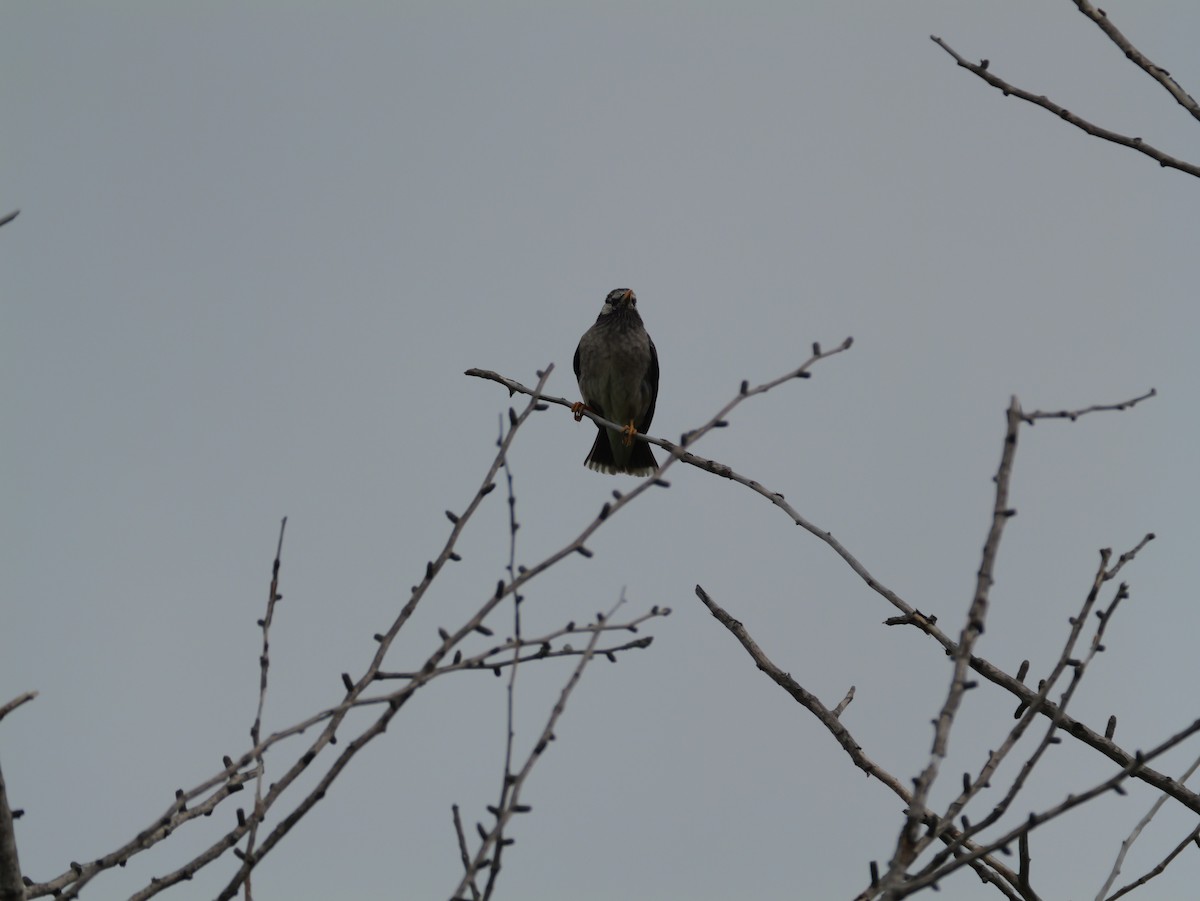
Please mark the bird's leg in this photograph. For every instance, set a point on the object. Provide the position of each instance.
(629, 431)
(578, 407)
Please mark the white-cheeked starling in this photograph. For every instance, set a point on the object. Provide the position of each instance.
(616, 365)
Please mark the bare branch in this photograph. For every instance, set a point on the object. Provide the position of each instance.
(17, 702)
(1071, 802)
(175, 816)
(1133, 837)
(264, 661)
(510, 735)
(1072, 415)
(1066, 660)
(910, 843)
(543, 652)
(1135, 143)
(990, 871)
(806, 699)
(844, 703)
(12, 885)
(1162, 76)
(1023, 851)
(491, 839)
(4, 220)
(463, 852)
(1190, 838)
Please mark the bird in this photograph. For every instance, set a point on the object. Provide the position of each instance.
(616, 365)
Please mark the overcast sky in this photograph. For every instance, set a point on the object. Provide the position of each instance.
(258, 246)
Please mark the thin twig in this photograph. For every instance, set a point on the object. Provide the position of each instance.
(264, 662)
(491, 838)
(806, 699)
(991, 871)
(1024, 865)
(1066, 660)
(1133, 837)
(464, 854)
(17, 702)
(1128, 556)
(510, 693)
(1072, 415)
(1192, 837)
(543, 652)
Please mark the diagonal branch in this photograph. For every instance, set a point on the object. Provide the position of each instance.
(16, 702)
(1134, 143)
(1135, 56)
(989, 870)
(806, 699)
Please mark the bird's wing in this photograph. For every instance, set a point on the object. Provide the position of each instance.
(592, 405)
(652, 380)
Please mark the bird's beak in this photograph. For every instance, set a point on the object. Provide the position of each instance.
(627, 295)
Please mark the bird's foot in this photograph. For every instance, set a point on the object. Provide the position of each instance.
(628, 432)
(577, 409)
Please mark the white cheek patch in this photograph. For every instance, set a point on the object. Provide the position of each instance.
(606, 309)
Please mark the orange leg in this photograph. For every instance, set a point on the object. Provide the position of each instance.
(578, 407)
(629, 431)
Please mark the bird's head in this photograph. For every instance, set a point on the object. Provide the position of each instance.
(621, 299)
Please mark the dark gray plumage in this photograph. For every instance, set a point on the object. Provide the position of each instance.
(616, 365)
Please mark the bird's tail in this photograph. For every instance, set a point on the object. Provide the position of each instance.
(638, 462)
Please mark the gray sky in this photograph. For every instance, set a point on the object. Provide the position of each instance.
(260, 243)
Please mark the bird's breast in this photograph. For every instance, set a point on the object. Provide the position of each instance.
(612, 374)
